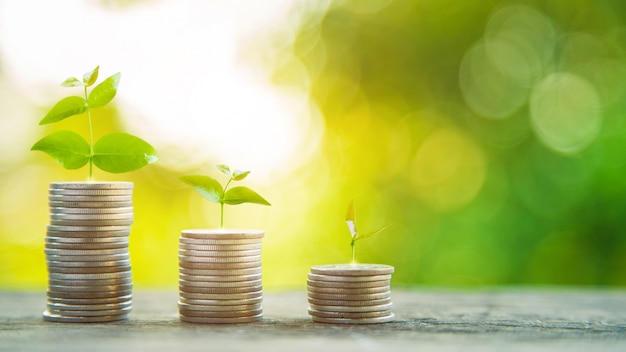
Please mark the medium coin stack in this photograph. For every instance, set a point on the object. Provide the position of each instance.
(220, 276)
(350, 293)
(89, 273)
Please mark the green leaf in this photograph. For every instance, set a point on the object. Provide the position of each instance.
(104, 92)
(89, 78)
(238, 195)
(65, 108)
(224, 169)
(66, 147)
(122, 152)
(72, 82)
(351, 220)
(239, 175)
(207, 186)
(370, 234)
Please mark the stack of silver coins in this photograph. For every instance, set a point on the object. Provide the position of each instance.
(89, 272)
(350, 293)
(220, 276)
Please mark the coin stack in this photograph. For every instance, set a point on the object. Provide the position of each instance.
(89, 273)
(350, 293)
(220, 276)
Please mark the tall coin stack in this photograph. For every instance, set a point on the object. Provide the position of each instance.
(89, 273)
(350, 293)
(220, 276)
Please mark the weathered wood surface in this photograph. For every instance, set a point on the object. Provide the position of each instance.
(441, 320)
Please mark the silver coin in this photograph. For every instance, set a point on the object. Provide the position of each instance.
(223, 247)
(87, 240)
(352, 269)
(210, 242)
(348, 315)
(349, 303)
(349, 297)
(90, 276)
(114, 222)
(218, 296)
(238, 320)
(220, 290)
(228, 274)
(95, 236)
(93, 204)
(218, 284)
(84, 252)
(91, 301)
(90, 313)
(105, 282)
(89, 288)
(343, 284)
(90, 192)
(379, 308)
(218, 279)
(87, 258)
(91, 217)
(121, 210)
(220, 302)
(247, 253)
(89, 230)
(220, 314)
(47, 316)
(87, 246)
(107, 294)
(222, 308)
(89, 198)
(222, 260)
(348, 291)
(385, 319)
(84, 307)
(86, 264)
(89, 270)
(317, 277)
(222, 234)
(91, 185)
(219, 266)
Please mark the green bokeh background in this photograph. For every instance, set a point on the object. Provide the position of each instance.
(489, 135)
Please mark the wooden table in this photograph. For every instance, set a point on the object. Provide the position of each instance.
(498, 319)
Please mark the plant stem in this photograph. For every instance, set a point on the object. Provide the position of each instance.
(222, 203)
(90, 139)
(352, 244)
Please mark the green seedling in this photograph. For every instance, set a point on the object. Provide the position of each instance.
(114, 152)
(212, 190)
(354, 230)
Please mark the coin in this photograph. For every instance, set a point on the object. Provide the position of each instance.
(348, 315)
(209, 242)
(226, 234)
(93, 236)
(348, 291)
(222, 260)
(91, 217)
(90, 276)
(86, 204)
(120, 281)
(220, 253)
(220, 290)
(344, 284)
(87, 246)
(86, 264)
(216, 279)
(107, 294)
(90, 192)
(88, 270)
(209, 283)
(106, 306)
(83, 252)
(349, 297)
(385, 319)
(218, 296)
(90, 313)
(87, 240)
(220, 302)
(47, 316)
(352, 269)
(219, 247)
(349, 303)
(220, 314)
(219, 308)
(89, 288)
(238, 320)
(317, 277)
(219, 266)
(115, 222)
(91, 301)
(87, 258)
(118, 210)
(231, 274)
(91, 185)
(382, 307)
(89, 230)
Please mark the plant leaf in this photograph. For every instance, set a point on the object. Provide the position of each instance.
(65, 108)
(224, 169)
(239, 175)
(370, 234)
(66, 147)
(351, 220)
(241, 194)
(121, 152)
(72, 82)
(89, 78)
(207, 186)
(104, 92)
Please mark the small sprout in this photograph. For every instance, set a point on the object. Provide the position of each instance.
(354, 231)
(212, 190)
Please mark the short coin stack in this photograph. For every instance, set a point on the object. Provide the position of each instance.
(350, 293)
(220, 276)
(89, 272)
